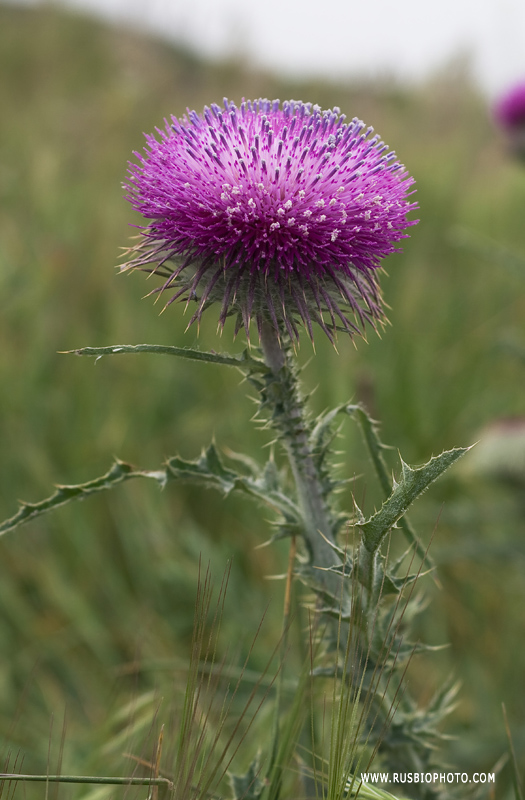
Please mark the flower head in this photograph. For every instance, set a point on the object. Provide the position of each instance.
(509, 111)
(278, 213)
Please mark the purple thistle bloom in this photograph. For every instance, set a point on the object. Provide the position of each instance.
(279, 214)
(509, 111)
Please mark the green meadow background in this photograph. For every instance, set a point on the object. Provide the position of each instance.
(96, 599)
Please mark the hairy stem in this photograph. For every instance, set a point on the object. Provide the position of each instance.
(288, 418)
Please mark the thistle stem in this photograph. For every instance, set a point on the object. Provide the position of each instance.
(288, 418)
(282, 657)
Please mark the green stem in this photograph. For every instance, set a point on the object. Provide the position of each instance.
(275, 780)
(93, 779)
(283, 397)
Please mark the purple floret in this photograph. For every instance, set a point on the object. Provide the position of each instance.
(279, 214)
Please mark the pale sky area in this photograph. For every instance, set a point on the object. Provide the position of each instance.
(341, 38)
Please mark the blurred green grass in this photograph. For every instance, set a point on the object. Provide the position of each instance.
(97, 586)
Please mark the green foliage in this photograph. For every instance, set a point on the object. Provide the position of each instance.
(65, 494)
(399, 728)
(412, 484)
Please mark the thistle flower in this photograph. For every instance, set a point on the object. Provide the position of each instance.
(279, 214)
(509, 113)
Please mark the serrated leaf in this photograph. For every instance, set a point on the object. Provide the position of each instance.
(209, 469)
(118, 473)
(412, 484)
(321, 439)
(245, 360)
(390, 584)
(369, 429)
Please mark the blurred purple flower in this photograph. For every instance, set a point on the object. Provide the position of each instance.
(279, 214)
(509, 111)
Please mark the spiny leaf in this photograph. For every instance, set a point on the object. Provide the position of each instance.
(369, 429)
(248, 786)
(323, 432)
(210, 470)
(208, 465)
(65, 494)
(412, 484)
(444, 699)
(403, 650)
(244, 360)
(321, 439)
(395, 585)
